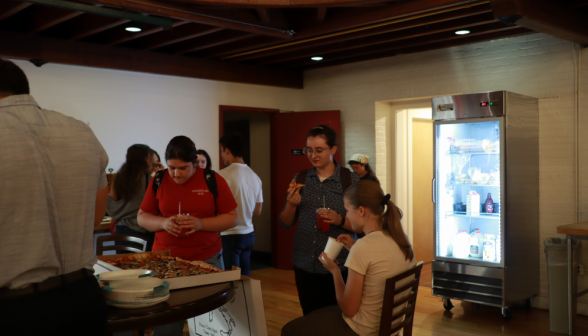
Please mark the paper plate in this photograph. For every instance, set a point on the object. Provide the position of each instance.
(136, 293)
(124, 275)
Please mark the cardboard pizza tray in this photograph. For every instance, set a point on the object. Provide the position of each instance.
(181, 282)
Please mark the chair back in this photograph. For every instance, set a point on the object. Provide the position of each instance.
(122, 240)
(392, 289)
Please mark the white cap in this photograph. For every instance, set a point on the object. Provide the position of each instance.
(363, 159)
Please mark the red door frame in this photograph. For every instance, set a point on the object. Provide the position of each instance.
(274, 188)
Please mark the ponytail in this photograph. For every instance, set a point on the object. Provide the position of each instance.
(369, 195)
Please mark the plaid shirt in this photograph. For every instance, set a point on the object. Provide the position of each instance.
(309, 242)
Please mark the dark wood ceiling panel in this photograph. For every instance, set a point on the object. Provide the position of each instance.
(95, 26)
(44, 18)
(263, 15)
(185, 13)
(426, 21)
(121, 35)
(26, 46)
(226, 50)
(215, 43)
(417, 49)
(8, 8)
(202, 41)
(442, 38)
(172, 36)
(284, 3)
(321, 13)
(476, 23)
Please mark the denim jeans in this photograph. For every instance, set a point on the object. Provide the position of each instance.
(176, 328)
(237, 251)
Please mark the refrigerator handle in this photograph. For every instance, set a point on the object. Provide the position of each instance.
(434, 201)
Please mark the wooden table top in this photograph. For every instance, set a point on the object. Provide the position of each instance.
(577, 229)
(182, 304)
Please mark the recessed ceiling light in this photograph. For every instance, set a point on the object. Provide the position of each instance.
(316, 58)
(462, 32)
(133, 29)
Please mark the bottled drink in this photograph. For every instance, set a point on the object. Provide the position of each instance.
(489, 204)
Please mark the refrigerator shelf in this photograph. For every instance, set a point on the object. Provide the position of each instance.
(474, 184)
(469, 214)
(477, 152)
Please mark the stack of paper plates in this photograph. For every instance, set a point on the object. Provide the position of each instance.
(136, 293)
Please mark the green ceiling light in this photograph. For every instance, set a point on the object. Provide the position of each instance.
(462, 32)
(316, 58)
(133, 29)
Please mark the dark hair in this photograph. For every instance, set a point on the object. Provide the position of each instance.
(234, 143)
(208, 162)
(324, 132)
(369, 195)
(12, 79)
(367, 165)
(182, 148)
(153, 152)
(126, 184)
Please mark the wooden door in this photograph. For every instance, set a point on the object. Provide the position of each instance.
(422, 175)
(288, 135)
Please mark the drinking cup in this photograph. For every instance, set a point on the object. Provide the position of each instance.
(333, 248)
(321, 223)
(183, 232)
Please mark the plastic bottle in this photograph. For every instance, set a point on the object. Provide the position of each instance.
(489, 204)
(476, 246)
(461, 245)
(489, 247)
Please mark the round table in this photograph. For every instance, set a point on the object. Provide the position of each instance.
(182, 304)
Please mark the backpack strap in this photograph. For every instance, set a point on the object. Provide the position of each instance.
(158, 179)
(210, 177)
(345, 178)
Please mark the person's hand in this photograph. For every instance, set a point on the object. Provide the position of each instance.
(346, 240)
(170, 225)
(294, 197)
(192, 224)
(331, 216)
(156, 166)
(329, 264)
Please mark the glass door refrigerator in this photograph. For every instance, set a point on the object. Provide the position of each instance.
(486, 196)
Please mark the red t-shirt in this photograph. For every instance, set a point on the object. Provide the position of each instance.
(196, 200)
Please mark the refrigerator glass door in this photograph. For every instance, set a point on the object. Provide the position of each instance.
(468, 195)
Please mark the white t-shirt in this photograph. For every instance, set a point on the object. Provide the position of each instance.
(246, 188)
(378, 258)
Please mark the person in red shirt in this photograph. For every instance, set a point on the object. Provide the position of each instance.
(194, 236)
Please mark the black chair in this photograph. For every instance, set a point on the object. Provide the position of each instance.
(121, 238)
(392, 289)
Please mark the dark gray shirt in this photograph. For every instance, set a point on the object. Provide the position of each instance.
(124, 212)
(309, 242)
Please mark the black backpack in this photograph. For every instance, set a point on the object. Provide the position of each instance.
(209, 176)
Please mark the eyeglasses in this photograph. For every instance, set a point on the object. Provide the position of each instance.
(318, 150)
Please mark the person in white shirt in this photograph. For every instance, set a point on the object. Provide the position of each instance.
(246, 188)
(383, 253)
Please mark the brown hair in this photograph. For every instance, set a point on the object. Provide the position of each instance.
(324, 132)
(369, 195)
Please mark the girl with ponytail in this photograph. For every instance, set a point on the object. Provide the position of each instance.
(384, 252)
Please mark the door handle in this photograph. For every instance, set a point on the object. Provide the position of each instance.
(434, 200)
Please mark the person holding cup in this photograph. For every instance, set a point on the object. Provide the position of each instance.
(384, 252)
(319, 205)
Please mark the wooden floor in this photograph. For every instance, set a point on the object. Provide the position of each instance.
(281, 306)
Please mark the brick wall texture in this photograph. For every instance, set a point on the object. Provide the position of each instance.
(537, 65)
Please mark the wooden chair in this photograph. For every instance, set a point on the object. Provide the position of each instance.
(393, 289)
(118, 238)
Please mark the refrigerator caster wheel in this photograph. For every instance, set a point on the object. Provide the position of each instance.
(447, 304)
(506, 314)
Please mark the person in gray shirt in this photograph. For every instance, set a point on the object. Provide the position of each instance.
(52, 195)
(127, 192)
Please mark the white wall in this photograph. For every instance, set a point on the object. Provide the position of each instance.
(259, 128)
(125, 107)
(536, 65)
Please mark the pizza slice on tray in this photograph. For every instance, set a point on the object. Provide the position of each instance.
(164, 266)
(293, 185)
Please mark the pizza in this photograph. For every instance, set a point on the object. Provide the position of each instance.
(293, 185)
(165, 267)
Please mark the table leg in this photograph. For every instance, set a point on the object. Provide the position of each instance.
(570, 287)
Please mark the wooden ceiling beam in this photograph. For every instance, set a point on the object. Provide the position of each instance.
(482, 22)
(549, 17)
(215, 42)
(259, 40)
(321, 13)
(180, 34)
(286, 3)
(26, 47)
(97, 25)
(399, 9)
(444, 17)
(423, 48)
(185, 13)
(445, 37)
(44, 18)
(124, 36)
(9, 8)
(263, 16)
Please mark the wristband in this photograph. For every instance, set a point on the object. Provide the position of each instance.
(342, 221)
